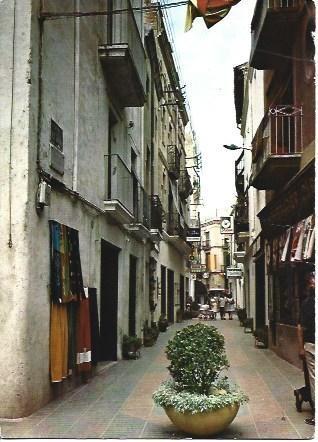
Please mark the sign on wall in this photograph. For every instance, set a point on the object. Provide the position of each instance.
(233, 272)
(227, 225)
(193, 234)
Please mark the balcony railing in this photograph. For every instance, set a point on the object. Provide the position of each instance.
(123, 57)
(119, 182)
(173, 161)
(241, 223)
(156, 213)
(239, 174)
(206, 245)
(142, 207)
(184, 184)
(272, 31)
(277, 147)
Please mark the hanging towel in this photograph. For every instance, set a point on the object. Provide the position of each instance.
(58, 342)
(311, 246)
(295, 238)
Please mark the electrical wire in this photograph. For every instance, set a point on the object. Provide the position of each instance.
(57, 15)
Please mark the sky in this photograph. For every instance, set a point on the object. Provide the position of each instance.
(207, 58)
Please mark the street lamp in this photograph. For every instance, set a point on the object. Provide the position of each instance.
(234, 147)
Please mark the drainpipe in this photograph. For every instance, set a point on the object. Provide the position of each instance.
(11, 125)
(76, 95)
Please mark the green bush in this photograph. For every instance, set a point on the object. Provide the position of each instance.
(196, 355)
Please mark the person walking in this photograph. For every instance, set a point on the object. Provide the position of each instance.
(230, 307)
(306, 340)
(214, 305)
(222, 302)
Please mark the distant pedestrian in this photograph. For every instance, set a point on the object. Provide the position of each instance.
(222, 302)
(306, 339)
(229, 306)
(214, 305)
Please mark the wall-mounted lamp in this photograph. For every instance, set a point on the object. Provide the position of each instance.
(234, 147)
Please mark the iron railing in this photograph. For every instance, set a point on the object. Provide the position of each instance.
(279, 134)
(173, 161)
(156, 212)
(119, 182)
(184, 184)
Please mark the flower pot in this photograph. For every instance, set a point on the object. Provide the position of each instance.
(206, 423)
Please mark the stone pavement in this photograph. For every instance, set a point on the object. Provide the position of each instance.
(117, 402)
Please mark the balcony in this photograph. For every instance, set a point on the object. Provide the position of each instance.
(206, 245)
(123, 58)
(119, 202)
(277, 147)
(239, 174)
(273, 28)
(156, 212)
(241, 223)
(141, 211)
(173, 161)
(184, 184)
(176, 232)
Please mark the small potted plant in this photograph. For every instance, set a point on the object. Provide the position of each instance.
(163, 323)
(131, 347)
(197, 399)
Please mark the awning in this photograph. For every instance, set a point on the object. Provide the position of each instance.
(212, 11)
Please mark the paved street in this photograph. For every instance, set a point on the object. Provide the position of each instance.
(117, 402)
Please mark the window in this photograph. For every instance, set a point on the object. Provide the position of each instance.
(56, 137)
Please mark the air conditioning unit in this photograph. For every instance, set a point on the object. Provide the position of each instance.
(44, 194)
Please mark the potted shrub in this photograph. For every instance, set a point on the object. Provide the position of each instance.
(131, 347)
(162, 323)
(150, 334)
(197, 399)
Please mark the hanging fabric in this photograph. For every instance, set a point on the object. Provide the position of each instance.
(55, 261)
(212, 11)
(295, 239)
(286, 247)
(72, 308)
(76, 277)
(83, 335)
(95, 334)
(58, 342)
(299, 248)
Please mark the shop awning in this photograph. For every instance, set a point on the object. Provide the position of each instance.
(212, 11)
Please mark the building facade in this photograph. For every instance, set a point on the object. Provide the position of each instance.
(279, 127)
(90, 209)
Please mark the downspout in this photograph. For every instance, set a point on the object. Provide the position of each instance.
(76, 95)
(11, 126)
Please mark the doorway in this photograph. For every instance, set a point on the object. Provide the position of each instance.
(132, 295)
(170, 296)
(108, 301)
(163, 290)
(260, 292)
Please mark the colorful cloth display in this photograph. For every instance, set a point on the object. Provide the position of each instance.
(212, 11)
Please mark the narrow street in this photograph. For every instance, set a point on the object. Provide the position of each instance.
(117, 402)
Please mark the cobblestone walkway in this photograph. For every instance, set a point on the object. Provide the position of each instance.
(117, 402)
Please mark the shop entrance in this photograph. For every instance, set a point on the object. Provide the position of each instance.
(163, 290)
(170, 296)
(108, 301)
(182, 302)
(132, 294)
(260, 292)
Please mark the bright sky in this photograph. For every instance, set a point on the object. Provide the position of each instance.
(207, 58)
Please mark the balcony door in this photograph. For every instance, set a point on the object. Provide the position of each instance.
(108, 301)
(163, 290)
(170, 296)
(260, 292)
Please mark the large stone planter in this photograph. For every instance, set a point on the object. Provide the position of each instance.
(203, 424)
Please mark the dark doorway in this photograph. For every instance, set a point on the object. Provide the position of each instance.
(163, 290)
(108, 301)
(260, 292)
(170, 296)
(132, 295)
(182, 302)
